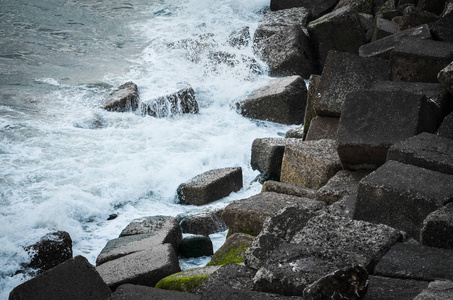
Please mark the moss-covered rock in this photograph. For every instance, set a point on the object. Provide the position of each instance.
(233, 251)
(187, 281)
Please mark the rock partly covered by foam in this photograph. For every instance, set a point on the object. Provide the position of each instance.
(124, 98)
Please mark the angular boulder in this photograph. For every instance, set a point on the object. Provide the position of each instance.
(342, 184)
(282, 101)
(186, 281)
(210, 186)
(438, 289)
(361, 6)
(310, 164)
(288, 189)
(74, 279)
(295, 133)
(323, 128)
(446, 128)
(345, 73)
(437, 230)
(203, 223)
(196, 246)
(445, 77)
(310, 112)
(124, 98)
(402, 196)
(140, 292)
(316, 7)
(157, 225)
(382, 29)
(413, 17)
(387, 288)
(442, 29)
(232, 251)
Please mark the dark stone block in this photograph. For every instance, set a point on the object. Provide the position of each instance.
(437, 290)
(232, 251)
(196, 246)
(317, 7)
(203, 223)
(446, 128)
(419, 60)
(140, 292)
(342, 184)
(124, 98)
(402, 196)
(74, 279)
(383, 29)
(434, 6)
(413, 17)
(372, 121)
(386, 288)
(323, 128)
(425, 150)
(405, 260)
(442, 29)
(310, 113)
(437, 230)
(345, 73)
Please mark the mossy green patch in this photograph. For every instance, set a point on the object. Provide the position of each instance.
(232, 256)
(179, 282)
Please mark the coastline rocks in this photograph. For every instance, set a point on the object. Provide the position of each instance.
(360, 6)
(316, 7)
(442, 29)
(124, 98)
(437, 230)
(210, 186)
(140, 292)
(202, 223)
(195, 246)
(232, 251)
(187, 281)
(323, 128)
(74, 279)
(386, 288)
(344, 183)
(446, 128)
(282, 101)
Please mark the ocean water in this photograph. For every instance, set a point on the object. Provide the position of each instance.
(66, 164)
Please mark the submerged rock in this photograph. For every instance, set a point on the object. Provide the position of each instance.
(124, 98)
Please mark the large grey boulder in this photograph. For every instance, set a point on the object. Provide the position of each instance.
(339, 30)
(232, 251)
(140, 292)
(345, 73)
(187, 281)
(204, 223)
(361, 6)
(387, 288)
(124, 98)
(437, 290)
(446, 128)
(210, 186)
(437, 230)
(425, 150)
(316, 7)
(323, 128)
(145, 267)
(288, 189)
(408, 260)
(158, 225)
(282, 101)
(419, 60)
(372, 121)
(342, 184)
(310, 164)
(248, 215)
(445, 77)
(74, 279)
(402, 196)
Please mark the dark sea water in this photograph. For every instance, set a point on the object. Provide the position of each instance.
(66, 164)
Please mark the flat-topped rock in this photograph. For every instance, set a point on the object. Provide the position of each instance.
(74, 279)
(446, 128)
(196, 246)
(438, 290)
(402, 196)
(425, 150)
(413, 16)
(288, 189)
(248, 215)
(140, 292)
(383, 28)
(406, 260)
(316, 7)
(210, 186)
(287, 17)
(345, 73)
(187, 281)
(145, 267)
(437, 230)
(434, 6)
(342, 184)
(323, 128)
(442, 29)
(124, 98)
(204, 223)
(387, 288)
(310, 164)
(282, 101)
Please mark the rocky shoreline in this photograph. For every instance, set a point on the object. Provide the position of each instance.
(356, 204)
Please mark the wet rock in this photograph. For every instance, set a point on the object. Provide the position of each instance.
(240, 38)
(340, 30)
(53, 249)
(187, 281)
(438, 290)
(319, 159)
(310, 113)
(383, 47)
(371, 123)
(323, 128)
(74, 279)
(402, 196)
(232, 251)
(386, 288)
(140, 292)
(406, 260)
(425, 150)
(316, 7)
(383, 29)
(196, 246)
(124, 98)
(202, 223)
(413, 17)
(446, 128)
(195, 47)
(267, 154)
(442, 29)
(282, 101)
(437, 230)
(445, 77)
(248, 215)
(361, 6)
(145, 267)
(210, 186)
(419, 60)
(345, 73)
(288, 189)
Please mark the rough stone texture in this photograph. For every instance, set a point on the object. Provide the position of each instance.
(402, 196)
(434, 6)
(288, 189)
(342, 184)
(181, 102)
(413, 17)
(139, 292)
(248, 215)
(407, 260)
(419, 60)
(442, 29)
(146, 267)
(446, 128)
(53, 249)
(316, 7)
(340, 30)
(124, 98)
(385, 288)
(425, 150)
(232, 251)
(323, 128)
(310, 113)
(343, 74)
(203, 223)
(445, 77)
(383, 29)
(196, 246)
(372, 121)
(437, 290)
(287, 17)
(437, 230)
(383, 47)
(74, 279)
(361, 6)
(344, 207)
(267, 154)
(210, 186)
(310, 164)
(295, 133)
(368, 24)
(282, 101)
(187, 281)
